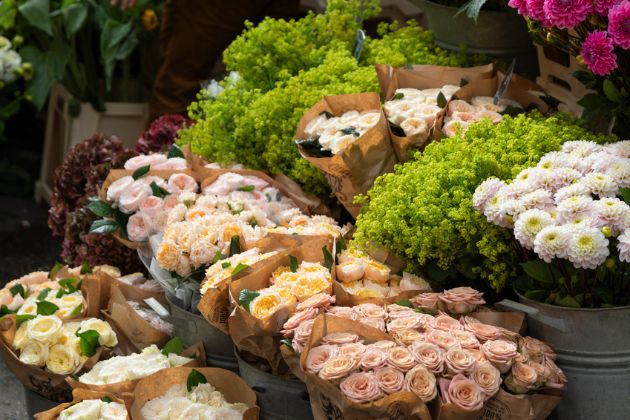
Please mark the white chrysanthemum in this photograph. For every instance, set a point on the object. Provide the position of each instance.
(486, 190)
(518, 188)
(563, 177)
(537, 199)
(512, 207)
(553, 213)
(578, 163)
(528, 225)
(493, 211)
(620, 148)
(581, 148)
(553, 160)
(574, 206)
(600, 184)
(588, 248)
(600, 161)
(611, 211)
(624, 246)
(547, 180)
(571, 191)
(529, 175)
(619, 171)
(551, 242)
(581, 221)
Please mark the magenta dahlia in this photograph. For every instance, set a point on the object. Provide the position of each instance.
(535, 11)
(566, 14)
(619, 24)
(597, 53)
(603, 6)
(520, 5)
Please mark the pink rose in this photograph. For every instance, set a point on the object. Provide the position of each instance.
(429, 302)
(117, 187)
(138, 227)
(318, 301)
(389, 379)
(378, 323)
(522, 378)
(258, 183)
(303, 332)
(144, 160)
(151, 206)
(466, 339)
(373, 358)
(500, 353)
(441, 338)
(172, 164)
(342, 312)
(405, 323)
(361, 387)
(395, 311)
(458, 361)
(341, 338)
(446, 323)
(297, 318)
(178, 183)
(130, 199)
(429, 355)
(169, 202)
(478, 355)
(462, 392)
(318, 356)
(407, 337)
(383, 344)
(370, 310)
(354, 350)
(159, 181)
(461, 300)
(338, 367)
(487, 377)
(400, 357)
(556, 378)
(482, 331)
(535, 349)
(421, 382)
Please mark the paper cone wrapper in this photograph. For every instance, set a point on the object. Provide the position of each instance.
(327, 400)
(233, 388)
(489, 87)
(79, 395)
(195, 351)
(134, 293)
(292, 359)
(125, 346)
(261, 337)
(442, 411)
(353, 171)
(505, 406)
(37, 379)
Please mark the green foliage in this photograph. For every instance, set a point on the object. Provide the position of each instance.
(423, 211)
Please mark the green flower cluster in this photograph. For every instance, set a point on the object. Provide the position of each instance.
(423, 211)
(287, 67)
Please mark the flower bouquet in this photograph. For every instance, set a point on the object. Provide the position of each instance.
(88, 404)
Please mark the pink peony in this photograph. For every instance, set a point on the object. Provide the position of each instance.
(618, 28)
(597, 53)
(151, 206)
(144, 160)
(172, 164)
(178, 183)
(131, 198)
(565, 14)
(138, 227)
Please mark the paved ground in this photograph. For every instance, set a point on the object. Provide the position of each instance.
(25, 245)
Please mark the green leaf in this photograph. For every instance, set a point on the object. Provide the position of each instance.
(76, 311)
(225, 264)
(568, 301)
(404, 302)
(158, 191)
(174, 345)
(175, 151)
(100, 208)
(122, 219)
(106, 399)
(397, 96)
(612, 92)
(340, 245)
(37, 13)
(104, 226)
(537, 295)
(239, 267)
(595, 102)
(253, 223)
(441, 100)
(294, 263)
(46, 308)
(195, 378)
(117, 41)
(141, 171)
(42, 295)
(328, 259)
(235, 245)
(539, 270)
(246, 188)
(287, 343)
(19, 319)
(4, 310)
(74, 16)
(625, 194)
(18, 289)
(246, 297)
(49, 66)
(54, 270)
(88, 342)
(217, 257)
(85, 268)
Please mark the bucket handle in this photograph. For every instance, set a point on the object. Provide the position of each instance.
(555, 323)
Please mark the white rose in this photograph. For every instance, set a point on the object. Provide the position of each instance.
(86, 409)
(107, 336)
(144, 160)
(202, 393)
(130, 199)
(34, 353)
(44, 328)
(113, 411)
(117, 187)
(20, 338)
(62, 359)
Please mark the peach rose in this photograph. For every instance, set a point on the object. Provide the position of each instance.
(500, 353)
(138, 227)
(341, 338)
(522, 378)
(487, 377)
(446, 323)
(400, 357)
(458, 361)
(482, 331)
(429, 302)
(144, 160)
(383, 345)
(361, 387)
(342, 312)
(373, 358)
(461, 300)
(390, 379)
(395, 311)
(172, 164)
(466, 339)
(370, 310)
(378, 323)
(178, 183)
(338, 367)
(407, 337)
(130, 199)
(170, 202)
(556, 378)
(151, 206)
(117, 187)
(478, 355)
(299, 317)
(429, 355)
(303, 332)
(462, 392)
(318, 356)
(354, 350)
(441, 338)
(319, 301)
(421, 382)
(535, 349)
(405, 323)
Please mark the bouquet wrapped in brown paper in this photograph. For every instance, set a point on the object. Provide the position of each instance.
(79, 395)
(212, 389)
(506, 406)
(266, 298)
(346, 137)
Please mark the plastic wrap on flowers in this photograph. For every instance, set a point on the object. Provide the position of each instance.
(79, 395)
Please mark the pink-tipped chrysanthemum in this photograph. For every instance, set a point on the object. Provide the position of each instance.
(624, 246)
(597, 53)
(565, 14)
(486, 190)
(528, 225)
(618, 28)
(551, 242)
(588, 248)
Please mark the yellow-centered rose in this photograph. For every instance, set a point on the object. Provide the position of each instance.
(62, 359)
(107, 336)
(44, 328)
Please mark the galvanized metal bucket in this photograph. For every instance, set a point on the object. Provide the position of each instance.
(279, 399)
(35, 403)
(593, 347)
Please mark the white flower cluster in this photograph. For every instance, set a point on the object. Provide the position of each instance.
(337, 133)
(71, 305)
(460, 114)
(10, 61)
(134, 366)
(48, 341)
(202, 402)
(94, 410)
(566, 206)
(222, 270)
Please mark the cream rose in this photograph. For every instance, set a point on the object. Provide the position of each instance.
(395, 311)
(446, 323)
(462, 392)
(421, 382)
(354, 350)
(405, 323)
(361, 387)
(319, 356)
(130, 199)
(338, 367)
(378, 323)
(457, 361)
(373, 358)
(343, 312)
(400, 357)
(34, 353)
(370, 310)
(62, 360)
(44, 328)
(138, 227)
(441, 339)
(341, 338)
(487, 377)
(144, 160)
(522, 378)
(86, 409)
(461, 300)
(407, 337)
(107, 336)
(429, 355)
(117, 187)
(20, 338)
(178, 183)
(390, 379)
(429, 302)
(500, 353)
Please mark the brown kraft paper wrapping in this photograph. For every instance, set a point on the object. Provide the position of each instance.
(128, 323)
(261, 337)
(233, 388)
(130, 291)
(79, 395)
(353, 171)
(37, 379)
(328, 402)
(505, 406)
(196, 352)
(443, 411)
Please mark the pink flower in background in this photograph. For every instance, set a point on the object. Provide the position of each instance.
(161, 134)
(535, 11)
(565, 14)
(618, 28)
(624, 246)
(603, 6)
(520, 5)
(597, 53)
